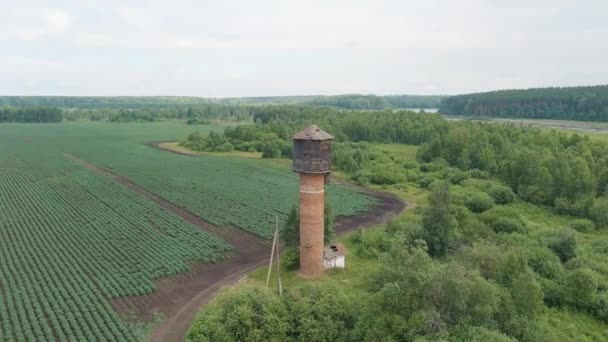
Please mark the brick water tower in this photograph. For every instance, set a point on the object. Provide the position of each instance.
(312, 160)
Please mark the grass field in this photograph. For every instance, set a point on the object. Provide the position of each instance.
(71, 239)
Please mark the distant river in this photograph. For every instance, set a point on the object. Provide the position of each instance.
(427, 110)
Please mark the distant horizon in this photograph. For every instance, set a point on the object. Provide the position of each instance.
(313, 95)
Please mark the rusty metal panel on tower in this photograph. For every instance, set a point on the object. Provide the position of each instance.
(312, 151)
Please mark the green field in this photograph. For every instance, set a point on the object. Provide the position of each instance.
(71, 239)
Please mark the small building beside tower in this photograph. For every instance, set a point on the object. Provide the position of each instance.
(312, 160)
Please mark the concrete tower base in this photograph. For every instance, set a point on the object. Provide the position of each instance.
(312, 207)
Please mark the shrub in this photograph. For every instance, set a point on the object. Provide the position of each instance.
(601, 307)
(479, 174)
(545, 263)
(425, 182)
(291, 259)
(478, 334)
(564, 245)
(579, 207)
(410, 165)
(458, 177)
(479, 202)
(507, 225)
(582, 225)
(502, 194)
(225, 147)
(581, 288)
(599, 212)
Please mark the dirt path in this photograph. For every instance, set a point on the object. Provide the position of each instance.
(180, 298)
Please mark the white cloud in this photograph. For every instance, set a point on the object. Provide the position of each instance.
(266, 47)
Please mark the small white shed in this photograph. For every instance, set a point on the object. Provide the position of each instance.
(335, 256)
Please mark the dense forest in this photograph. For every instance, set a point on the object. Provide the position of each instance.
(31, 114)
(574, 103)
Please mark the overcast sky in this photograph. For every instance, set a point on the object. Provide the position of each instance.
(258, 48)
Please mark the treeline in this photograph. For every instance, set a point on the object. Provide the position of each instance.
(33, 114)
(349, 101)
(91, 102)
(354, 101)
(566, 171)
(276, 125)
(573, 103)
(373, 102)
(195, 114)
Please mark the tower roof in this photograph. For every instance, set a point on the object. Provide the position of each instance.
(312, 132)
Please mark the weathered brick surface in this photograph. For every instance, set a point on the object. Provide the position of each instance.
(312, 204)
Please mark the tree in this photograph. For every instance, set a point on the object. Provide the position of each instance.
(243, 314)
(527, 294)
(599, 212)
(581, 288)
(438, 224)
(564, 244)
(290, 231)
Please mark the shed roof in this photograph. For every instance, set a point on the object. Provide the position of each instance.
(334, 251)
(312, 132)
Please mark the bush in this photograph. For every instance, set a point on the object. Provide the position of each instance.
(545, 263)
(579, 207)
(582, 225)
(225, 147)
(458, 177)
(599, 212)
(564, 245)
(291, 259)
(240, 313)
(479, 202)
(478, 334)
(502, 194)
(479, 174)
(507, 225)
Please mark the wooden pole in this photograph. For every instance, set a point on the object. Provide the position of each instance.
(274, 242)
(278, 259)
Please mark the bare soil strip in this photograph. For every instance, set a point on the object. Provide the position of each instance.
(180, 298)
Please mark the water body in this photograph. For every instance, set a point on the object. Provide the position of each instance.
(426, 110)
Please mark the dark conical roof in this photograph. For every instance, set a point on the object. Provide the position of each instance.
(312, 132)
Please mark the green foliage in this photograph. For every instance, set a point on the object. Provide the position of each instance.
(437, 221)
(582, 225)
(479, 202)
(31, 114)
(507, 225)
(290, 230)
(572, 103)
(564, 244)
(249, 314)
(470, 333)
(527, 295)
(581, 288)
(290, 258)
(599, 212)
(502, 194)
(313, 313)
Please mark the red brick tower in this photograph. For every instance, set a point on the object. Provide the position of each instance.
(312, 160)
